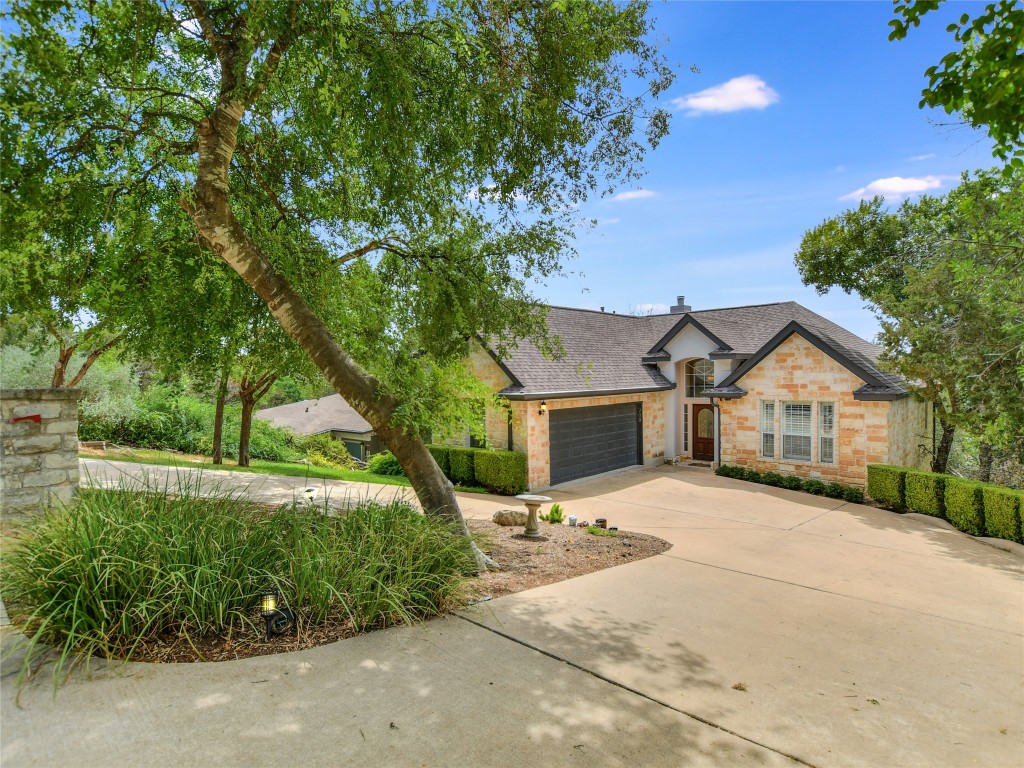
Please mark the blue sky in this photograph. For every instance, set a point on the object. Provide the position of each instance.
(824, 110)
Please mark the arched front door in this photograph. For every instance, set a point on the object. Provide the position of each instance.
(703, 433)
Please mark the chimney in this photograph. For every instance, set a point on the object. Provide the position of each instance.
(681, 307)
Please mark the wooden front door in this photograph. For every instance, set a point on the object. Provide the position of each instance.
(703, 433)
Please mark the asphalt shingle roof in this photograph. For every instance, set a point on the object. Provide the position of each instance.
(310, 417)
(605, 351)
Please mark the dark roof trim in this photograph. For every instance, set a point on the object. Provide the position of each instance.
(350, 432)
(728, 355)
(686, 320)
(581, 393)
(661, 357)
(892, 394)
(504, 368)
(794, 327)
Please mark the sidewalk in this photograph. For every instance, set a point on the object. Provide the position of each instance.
(860, 637)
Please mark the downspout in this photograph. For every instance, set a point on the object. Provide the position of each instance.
(718, 434)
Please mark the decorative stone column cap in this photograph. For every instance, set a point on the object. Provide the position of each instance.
(42, 393)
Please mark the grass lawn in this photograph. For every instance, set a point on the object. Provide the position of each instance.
(257, 466)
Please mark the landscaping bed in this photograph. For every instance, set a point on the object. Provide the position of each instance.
(135, 574)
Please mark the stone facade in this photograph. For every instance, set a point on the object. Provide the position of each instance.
(536, 442)
(38, 459)
(866, 432)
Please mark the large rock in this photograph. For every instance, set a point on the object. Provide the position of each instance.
(509, 517)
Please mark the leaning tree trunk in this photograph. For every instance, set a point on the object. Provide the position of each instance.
(218, 418)
(985, 462)
(210, 209)
(941, 458)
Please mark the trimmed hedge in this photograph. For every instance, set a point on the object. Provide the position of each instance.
(924, 492)
(462, 466)
(792, 482)
(440, 454)
(1003, 509)
(965, 507)
(887, 485)
(501, 471)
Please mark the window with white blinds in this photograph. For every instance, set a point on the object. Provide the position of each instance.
(826, 433)
(768, 429)
(796, 431)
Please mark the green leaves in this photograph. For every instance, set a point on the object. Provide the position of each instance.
(983, 79)
(945, 275)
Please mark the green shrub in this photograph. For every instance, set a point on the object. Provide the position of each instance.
(817, 487)
(965, 507)
(1003, 508)
(839, 491)
(440, 454)
(792, 483)
(385, 463)
(500, 471)
(853, 495)
(772, 478)
(323, 451)
(125, 566)
(462, 465)
(924, 492)
(750, 475)
(555, 515)
(726, 470)
(886, 485)
(597, 531)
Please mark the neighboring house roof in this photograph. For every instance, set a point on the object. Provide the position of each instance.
(607, 353)
(310, 417)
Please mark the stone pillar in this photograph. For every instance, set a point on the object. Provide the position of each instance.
(38, 450)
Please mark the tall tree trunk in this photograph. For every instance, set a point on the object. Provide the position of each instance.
(245, 431)
(941, 458)
(250, 392)
(210, 209)
(985, 462)
(218, 417)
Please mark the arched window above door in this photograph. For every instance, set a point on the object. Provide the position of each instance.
(698, 375)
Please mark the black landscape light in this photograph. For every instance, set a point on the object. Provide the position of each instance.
(278, 619)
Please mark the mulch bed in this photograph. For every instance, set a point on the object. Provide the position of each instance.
(563, 553)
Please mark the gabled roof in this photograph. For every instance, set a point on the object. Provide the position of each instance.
(602, 354)
(878, 384)
(608, 353)
(311, 417)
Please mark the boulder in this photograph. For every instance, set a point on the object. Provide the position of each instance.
(509, 517)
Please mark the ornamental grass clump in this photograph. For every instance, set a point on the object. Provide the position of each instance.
(123, 568)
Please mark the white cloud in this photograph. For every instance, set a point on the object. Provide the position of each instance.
(633, 194)
(607, 222)
(896, 187)
(919, 158)
(746, 92)
(654, 308)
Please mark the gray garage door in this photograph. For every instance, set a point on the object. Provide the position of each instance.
(587, 441)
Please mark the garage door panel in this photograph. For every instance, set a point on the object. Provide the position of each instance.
(588, 441)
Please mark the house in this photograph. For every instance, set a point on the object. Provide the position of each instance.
(327, 415)
(769, 386)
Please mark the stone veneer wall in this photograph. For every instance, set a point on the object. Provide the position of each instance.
(38, 462)
(530, 429)
(867, 432)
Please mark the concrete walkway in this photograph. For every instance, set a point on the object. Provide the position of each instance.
(860, 637)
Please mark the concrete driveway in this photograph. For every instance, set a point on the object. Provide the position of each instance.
(860, 637)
